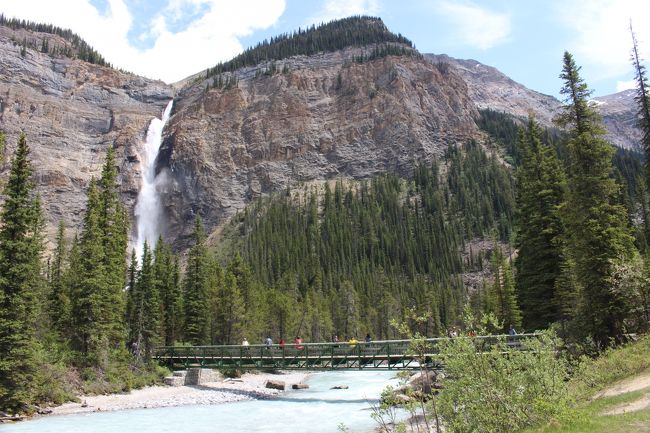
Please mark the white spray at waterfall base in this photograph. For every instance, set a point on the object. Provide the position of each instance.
(148, 208)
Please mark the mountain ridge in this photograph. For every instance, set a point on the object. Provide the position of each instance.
(351, 113)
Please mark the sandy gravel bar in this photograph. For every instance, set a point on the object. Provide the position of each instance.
(251, 386)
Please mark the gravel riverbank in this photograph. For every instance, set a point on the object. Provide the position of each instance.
(250, 386)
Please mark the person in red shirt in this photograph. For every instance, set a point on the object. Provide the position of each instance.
(298, 342)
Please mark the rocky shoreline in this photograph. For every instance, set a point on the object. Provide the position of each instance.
(250, 386)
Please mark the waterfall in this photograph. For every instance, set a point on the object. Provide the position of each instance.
(148, 208)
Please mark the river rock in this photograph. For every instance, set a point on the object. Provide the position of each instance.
(300, 386)
(174, 380)
(423, 382)
(276, 384)
(340, 387)
(420, 386)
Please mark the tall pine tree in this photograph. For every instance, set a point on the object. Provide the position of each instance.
(166, 274)
(642, 98)
(598, 238)
(195, 301)
(59, 295)
(541, 188)
(20, 284)
(90, 312)
(113, 223)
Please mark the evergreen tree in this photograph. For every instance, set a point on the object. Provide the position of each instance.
(72, 278)
(245, 288)
(134, 307)
(114, 226)
(541, 188)
(195, 301)
(20, 284)
(231, 311)
(167, 274)
(597, 236)
(502, 297)
(89, 307)
(59, 295)
(150, 315)
(643, 100)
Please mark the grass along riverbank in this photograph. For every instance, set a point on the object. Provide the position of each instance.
(612, 393)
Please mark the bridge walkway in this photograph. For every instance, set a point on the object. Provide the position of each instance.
(377, 355)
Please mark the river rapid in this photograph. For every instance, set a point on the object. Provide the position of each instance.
(318, 409)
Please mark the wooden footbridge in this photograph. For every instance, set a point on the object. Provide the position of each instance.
(379, 355)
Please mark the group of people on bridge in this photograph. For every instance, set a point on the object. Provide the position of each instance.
(299, 344)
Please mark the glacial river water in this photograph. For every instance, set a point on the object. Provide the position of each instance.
(318, 409)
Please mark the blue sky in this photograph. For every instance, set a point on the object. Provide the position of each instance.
(171, 39)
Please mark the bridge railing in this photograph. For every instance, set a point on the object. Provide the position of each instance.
(377, 354)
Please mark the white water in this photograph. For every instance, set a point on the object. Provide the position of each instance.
(318, 409)
(148, 209)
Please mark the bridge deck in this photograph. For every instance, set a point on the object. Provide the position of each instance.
(379, 355)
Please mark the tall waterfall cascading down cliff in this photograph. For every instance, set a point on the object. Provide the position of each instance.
(148, 208)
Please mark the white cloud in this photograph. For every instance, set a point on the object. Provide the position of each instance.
(475, 26)
(212, 37)
(601, 40)
(625, 85)
(333, 9)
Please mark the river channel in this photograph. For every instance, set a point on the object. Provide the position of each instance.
(318, 409)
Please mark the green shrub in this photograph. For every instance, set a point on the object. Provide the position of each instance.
(500, 388)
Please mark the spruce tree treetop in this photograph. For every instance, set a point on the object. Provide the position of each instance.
(578, 116)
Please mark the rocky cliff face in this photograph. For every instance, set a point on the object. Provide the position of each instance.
(71, 112)
(327, 116)
(490, 88)
(619, 113)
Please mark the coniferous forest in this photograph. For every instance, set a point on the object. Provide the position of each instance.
(535, 227)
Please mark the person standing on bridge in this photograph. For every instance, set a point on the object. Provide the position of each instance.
(298, 342)
(368, 338)
(512, 331)
(268, 342)
(245, 342)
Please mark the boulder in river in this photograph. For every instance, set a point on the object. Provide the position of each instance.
(300, 386)
(420, 386)
(340, 387)
(276, 384)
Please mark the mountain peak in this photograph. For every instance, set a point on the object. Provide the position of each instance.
(332, 36)
(52, 40)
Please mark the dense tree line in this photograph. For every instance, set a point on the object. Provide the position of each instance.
(78, 49)
(350, 254)
(332, 36)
